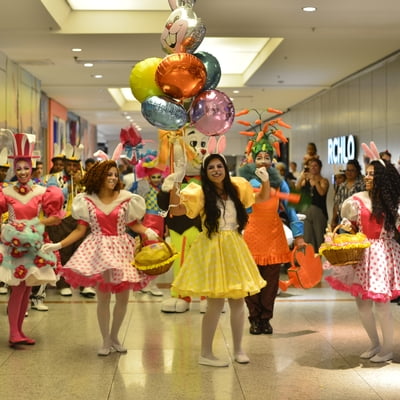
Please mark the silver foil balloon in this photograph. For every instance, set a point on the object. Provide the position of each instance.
(183, 31)
(164, 112)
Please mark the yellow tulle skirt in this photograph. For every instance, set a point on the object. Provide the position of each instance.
(220, 267)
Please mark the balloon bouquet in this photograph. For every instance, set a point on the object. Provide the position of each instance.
(180, 89)
(178, 95)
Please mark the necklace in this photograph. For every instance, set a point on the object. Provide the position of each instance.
(23, 188)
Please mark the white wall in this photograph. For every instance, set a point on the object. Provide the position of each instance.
(366, 106)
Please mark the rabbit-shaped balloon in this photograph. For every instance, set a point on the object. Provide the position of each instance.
(183, 31)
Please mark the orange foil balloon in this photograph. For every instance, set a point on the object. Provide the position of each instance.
(181, 75)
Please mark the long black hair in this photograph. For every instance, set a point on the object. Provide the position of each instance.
(212, 198)
(385, 194)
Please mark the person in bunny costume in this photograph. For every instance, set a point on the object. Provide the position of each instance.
(183, 230)
(375, 279)
(219, 264)
(104, 258)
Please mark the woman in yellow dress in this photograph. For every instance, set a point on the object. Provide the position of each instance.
(219, 264)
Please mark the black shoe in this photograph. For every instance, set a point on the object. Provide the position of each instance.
(88, 292)
(396, 300)
(255, 327)
(266, 327)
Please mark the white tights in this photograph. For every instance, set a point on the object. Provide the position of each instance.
(103, 315)
(384, 314)
(210, 322)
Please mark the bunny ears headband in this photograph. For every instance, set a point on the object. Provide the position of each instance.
(372, 152)
(116, 154)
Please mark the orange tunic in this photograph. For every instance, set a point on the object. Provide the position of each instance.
(264, 234)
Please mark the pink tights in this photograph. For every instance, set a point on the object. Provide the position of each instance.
(17, 306)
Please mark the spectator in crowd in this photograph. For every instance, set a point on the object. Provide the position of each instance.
(353, 183)
(317, 186)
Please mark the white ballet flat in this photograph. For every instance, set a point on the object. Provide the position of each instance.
(381, 359)
(212, 362)
(118, 348)
(242, 358)
(104, 351)
(371, 352)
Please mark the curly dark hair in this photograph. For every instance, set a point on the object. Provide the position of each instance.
(94, 178)
(385, 194)
(354, 162)
(211, 198)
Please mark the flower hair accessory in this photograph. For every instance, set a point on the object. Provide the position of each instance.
(372, 152)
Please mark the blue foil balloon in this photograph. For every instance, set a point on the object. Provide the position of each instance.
(213, 69)
(164, 112)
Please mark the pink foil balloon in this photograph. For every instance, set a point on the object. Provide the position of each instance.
(212, 112)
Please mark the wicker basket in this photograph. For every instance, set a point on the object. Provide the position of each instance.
(155, 259)
(341, 252)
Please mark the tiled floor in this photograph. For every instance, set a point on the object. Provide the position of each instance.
(313, 354)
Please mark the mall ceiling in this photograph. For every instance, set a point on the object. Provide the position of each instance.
(318, 49)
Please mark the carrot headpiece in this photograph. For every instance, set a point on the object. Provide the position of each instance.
(263, 135)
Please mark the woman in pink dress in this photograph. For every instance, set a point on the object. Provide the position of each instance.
(23, 264)
(375, 280)
(104, 258)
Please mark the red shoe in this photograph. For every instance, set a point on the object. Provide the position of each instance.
(21, 340)
(29, 341)
(16, 341)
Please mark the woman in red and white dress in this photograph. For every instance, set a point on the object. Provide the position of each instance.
(22, 263)
(375, 280)
(104, 258)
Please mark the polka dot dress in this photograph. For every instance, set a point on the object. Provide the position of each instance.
(377, 275)
(220, 267)
(104, 258)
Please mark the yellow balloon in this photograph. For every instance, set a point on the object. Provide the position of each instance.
(142, 79)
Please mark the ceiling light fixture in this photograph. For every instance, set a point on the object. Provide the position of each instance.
(88, 65)
(97, 76)
(93, 61)
(309, 9)
(124, 5)
(76, 50)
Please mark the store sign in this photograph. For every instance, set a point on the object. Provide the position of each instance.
(341, 149)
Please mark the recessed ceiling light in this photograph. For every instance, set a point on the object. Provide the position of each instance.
(88, 65)
(118, 5)
(77, 50)
(309, 9)
(97, 76)
(236, 91)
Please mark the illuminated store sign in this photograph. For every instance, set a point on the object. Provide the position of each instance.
(341, 149)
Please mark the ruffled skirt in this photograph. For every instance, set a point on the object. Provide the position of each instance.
(375, 277)
(105, 262)
(220, 267)
(20, 256)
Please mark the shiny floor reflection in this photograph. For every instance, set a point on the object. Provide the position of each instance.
(313, 354)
